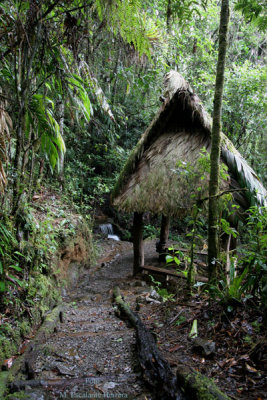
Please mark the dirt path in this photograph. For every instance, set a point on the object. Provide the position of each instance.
(91, 354)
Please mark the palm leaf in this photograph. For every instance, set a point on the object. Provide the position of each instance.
(244, 174)
(96, 89)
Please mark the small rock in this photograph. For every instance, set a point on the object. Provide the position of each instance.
(33, 394)
(204, 347)
(206, 315)
(149, 300)
(109, 385)
(64, 370)
(140, 300)
(154, 295)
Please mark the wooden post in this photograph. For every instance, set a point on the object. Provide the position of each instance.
(164, 230)
(164, 235)
(138, 243)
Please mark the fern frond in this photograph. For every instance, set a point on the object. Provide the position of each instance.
(129, 20)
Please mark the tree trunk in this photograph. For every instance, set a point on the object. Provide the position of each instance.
(164, 230)
(138, 243)
(213, 230)
(168, 15)
(164, 236)
(27, 53)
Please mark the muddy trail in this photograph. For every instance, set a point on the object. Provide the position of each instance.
(91, 353)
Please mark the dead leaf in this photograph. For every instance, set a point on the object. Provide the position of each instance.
(231, 362)
(23, 346)
(8, 363)
(250, 369)
(244, 357)
(175, 348)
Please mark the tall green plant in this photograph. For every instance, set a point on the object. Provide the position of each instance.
(8, 258)
(254, 253)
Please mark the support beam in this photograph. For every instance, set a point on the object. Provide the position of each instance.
(164, 236)
(138, 243)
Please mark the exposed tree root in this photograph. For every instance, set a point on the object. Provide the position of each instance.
(156, 371)
(188, 384)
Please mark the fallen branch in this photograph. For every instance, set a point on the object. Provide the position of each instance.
(187, 384)
(200, 201)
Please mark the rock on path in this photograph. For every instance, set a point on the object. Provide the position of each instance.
(92, 354)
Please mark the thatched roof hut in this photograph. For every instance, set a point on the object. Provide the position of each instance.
(181, 128)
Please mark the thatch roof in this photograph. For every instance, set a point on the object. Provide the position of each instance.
(149, 180)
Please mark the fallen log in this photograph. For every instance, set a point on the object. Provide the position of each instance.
(186, 385)
(90, 380)
(197, 386)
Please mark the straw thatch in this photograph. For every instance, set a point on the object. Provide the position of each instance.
(150, 180)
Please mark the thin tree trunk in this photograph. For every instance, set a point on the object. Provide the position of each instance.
(115, 74)
(61, 111)
(213, 230)
(138, 243)
(191, 269)
(28, 51)
(164, 230)
(168, 15)
(164, 236)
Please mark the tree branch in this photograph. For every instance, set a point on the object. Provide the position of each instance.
(222, 194)
(50, 8)
(68, 11)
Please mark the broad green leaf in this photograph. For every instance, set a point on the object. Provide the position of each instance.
(169, 259)
(2, 286)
